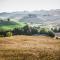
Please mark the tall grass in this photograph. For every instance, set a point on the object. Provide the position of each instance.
(29, 48)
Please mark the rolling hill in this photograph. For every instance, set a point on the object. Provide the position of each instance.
(42, 16)
(10, 25)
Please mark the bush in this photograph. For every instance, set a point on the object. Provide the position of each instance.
(43, 31)
(17, 31)
(51, 34)
(1, 35)
(8, 34)
(34, 31)
(25, 29)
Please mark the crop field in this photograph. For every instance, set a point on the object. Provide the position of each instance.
(22, 47)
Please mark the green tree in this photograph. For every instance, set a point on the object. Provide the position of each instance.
(59, 30)
(51, 34)
(34, 31)
(25, 29)
(43, 31)
(8, 34)
(8, 19)
(55, 30)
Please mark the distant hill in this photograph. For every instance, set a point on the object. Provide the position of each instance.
(42, 16)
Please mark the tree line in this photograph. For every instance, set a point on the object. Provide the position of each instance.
(26, 30)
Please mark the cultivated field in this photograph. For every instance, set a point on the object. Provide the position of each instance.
(29, 48)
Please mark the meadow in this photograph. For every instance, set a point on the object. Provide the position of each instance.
(10, 25)
(22, 47)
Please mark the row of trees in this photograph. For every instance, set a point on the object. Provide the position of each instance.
(55, 29)
(26, 30)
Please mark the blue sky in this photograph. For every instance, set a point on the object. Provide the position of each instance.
(30, 5)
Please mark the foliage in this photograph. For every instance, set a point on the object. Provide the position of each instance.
(10, 25)
(43, 31)
(1, 35)
(7, 28)
(17, 31)
(8, 34)
(55, 30)
(34, 31)
(8, 19)
(25, 29)
(51, 34)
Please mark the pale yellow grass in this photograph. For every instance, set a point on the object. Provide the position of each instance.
(29, 48)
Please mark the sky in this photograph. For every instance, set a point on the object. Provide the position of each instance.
(28, 5)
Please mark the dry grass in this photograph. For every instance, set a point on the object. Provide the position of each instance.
(29, 48)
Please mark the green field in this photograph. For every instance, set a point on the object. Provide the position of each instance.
(10, 25)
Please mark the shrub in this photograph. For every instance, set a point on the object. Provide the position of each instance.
(1, 35)
(34, 31)
(17, 31)
(8, 34)
(43, 31)
(51, 34)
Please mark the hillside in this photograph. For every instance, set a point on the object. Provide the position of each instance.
(42, 16)
(10, 25)
(29, 48)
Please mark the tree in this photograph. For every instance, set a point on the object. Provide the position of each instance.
(59, 30)
(2, 33)
(55, 29)
(34, 31)
(25, 29)
(8, 34)
(17, 31)
(43, 31)
(51, 34)
(8, 19)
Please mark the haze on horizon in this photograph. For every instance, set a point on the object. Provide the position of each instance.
(28, 5)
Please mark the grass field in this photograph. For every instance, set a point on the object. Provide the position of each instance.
(29, 48)
(10, 25)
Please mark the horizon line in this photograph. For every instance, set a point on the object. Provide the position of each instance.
(10, 11)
